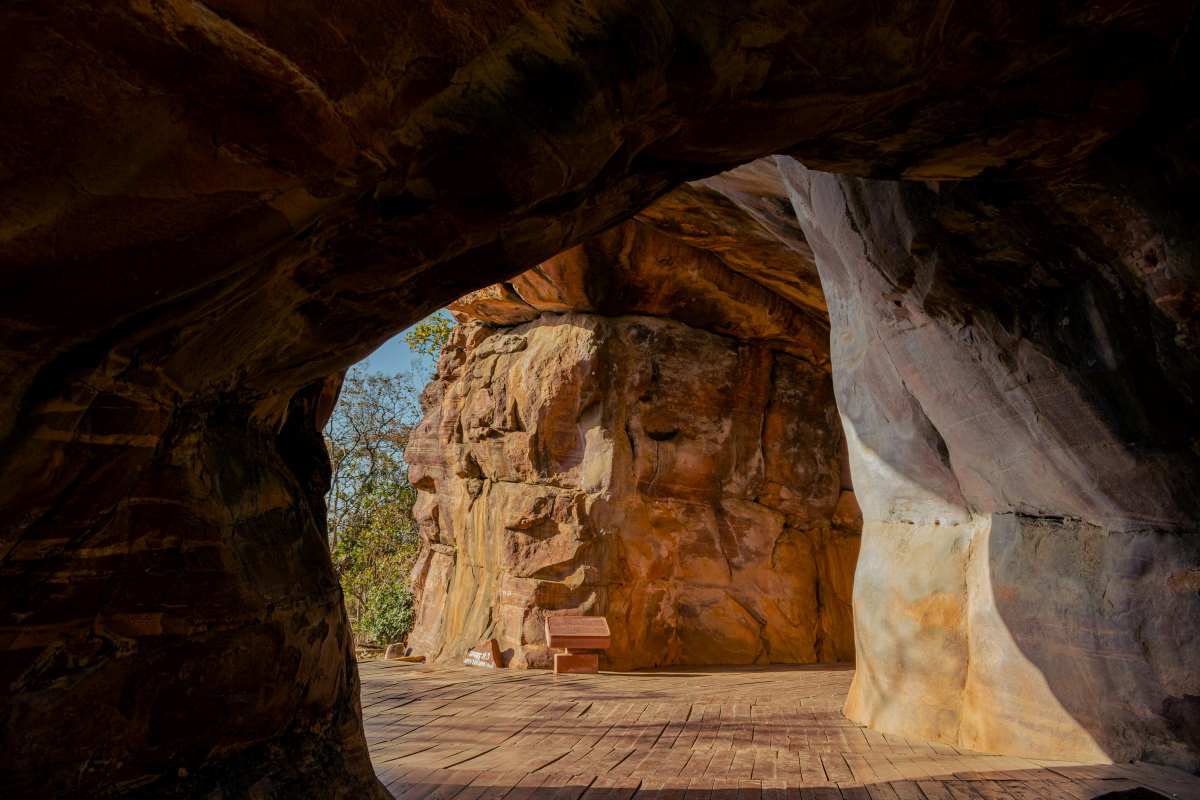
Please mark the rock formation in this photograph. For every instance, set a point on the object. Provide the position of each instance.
(1016, 376)
(211, 208)
(585, 452)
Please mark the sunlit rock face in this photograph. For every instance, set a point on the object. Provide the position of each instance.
(1015, 370)
(684, 483)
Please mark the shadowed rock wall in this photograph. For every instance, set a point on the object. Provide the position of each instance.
(685, 484)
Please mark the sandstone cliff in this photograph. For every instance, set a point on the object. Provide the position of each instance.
(687, 484)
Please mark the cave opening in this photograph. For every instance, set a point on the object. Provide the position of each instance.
(643, 428)
(646, 395)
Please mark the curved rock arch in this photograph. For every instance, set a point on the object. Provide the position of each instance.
(211, 208)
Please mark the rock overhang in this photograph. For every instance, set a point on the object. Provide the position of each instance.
(244, 202)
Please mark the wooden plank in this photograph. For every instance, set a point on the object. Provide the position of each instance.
(565, 787)
(907, 790)
(882, 791)
(491, 785)
(742, 765)
(725, 788)
(450, 784)
(775, 789)
(935, 790)
(390, 773)
(718, 767)
(766, 764)
(1025, 790)
(990, 790)
(528, 787)
(830, 792)
(836, 768)
(749, 790)
(663, 789)
(960, 790)
(430, 728)
(414, 784)
(608, 788)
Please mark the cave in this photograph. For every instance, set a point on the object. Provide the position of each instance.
(213, 209)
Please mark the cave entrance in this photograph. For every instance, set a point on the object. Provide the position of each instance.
(643, 427)
(372, 535)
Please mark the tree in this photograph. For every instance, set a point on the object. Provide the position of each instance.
(366, 437)
(428, 336)
(372, 533)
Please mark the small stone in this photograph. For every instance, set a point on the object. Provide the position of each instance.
(395, 652)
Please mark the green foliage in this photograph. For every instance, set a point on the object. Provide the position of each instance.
(374, 557)
(389, 614)
(372, 534)
(429, 335)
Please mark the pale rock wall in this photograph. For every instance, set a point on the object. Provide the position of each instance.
(1022, 635)
(1024, 461)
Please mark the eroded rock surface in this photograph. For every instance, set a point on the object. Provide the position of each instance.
(681, 477)
(1018, 391)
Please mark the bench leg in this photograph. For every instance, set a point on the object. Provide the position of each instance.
(576, 663)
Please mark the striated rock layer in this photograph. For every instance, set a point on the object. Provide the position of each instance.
(683, 483)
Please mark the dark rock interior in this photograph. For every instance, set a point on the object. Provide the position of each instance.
(212, 209)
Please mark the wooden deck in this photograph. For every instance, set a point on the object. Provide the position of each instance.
(462, 733)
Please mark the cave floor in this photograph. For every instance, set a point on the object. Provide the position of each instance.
(721, 734)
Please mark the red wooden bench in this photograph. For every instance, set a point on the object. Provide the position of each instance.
(582, 637)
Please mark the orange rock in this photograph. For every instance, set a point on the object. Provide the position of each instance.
(395, 652)
(672, 463)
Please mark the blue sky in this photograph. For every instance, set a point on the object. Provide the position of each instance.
(395, 356)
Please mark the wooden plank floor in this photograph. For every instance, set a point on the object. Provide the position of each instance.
(464, 733)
